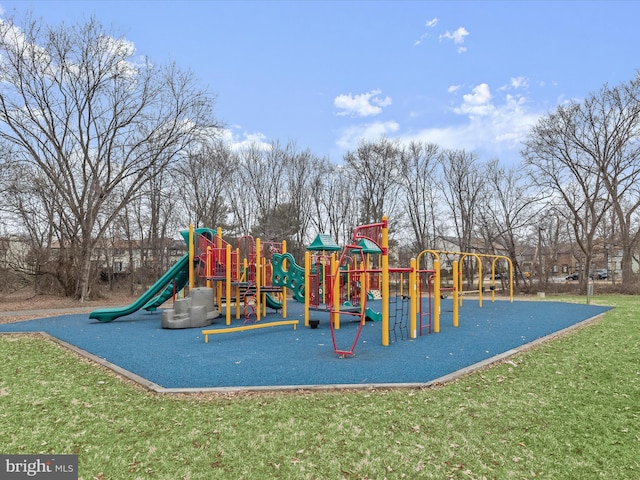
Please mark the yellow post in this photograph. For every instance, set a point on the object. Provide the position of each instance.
(192, 276)
(456, 286)
(385, 281)
(258, 278)
(227, 292)
(307, 286)
(436, 296)
(413, 299)
(335, 291)
(284, 290)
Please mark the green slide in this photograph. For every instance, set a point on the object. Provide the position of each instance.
(373, 315)
(272, 303)
(179, 282)
(175, 279)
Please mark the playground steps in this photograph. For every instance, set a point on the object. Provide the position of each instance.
(196, 310)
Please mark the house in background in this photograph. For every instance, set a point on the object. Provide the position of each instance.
(121, 257)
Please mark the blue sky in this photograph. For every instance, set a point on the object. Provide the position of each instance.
(473, 75)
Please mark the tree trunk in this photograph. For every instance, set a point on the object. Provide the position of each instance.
(627, 264)
(84, 280)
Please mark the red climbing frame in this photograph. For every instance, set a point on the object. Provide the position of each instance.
(334, 304)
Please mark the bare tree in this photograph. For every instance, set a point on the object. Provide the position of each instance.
(273, 191)
(340, 205)
(204, 182)
(265, 178)
(462, 189)
(506, 210)
(301, 172)
(418, 174)
(558, 165)
(243, 212)
(607, 130)
(33, 203)
(77, 104)
(554, 235)
(318, 186)
(375, 173)
(257, 187)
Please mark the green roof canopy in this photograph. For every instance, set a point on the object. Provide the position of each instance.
(369, 247)
(324, 243)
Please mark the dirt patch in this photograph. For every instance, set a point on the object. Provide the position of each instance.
(26, 307)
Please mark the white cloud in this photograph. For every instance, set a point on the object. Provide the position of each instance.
(362, 105)
(429, 24)
(116, 50)
(515, 83)
(492, 127)
(432, 23)
(519, 82)
(351, 137)
(121, 49)
(245, 139)
(477, 103)
(457, 36)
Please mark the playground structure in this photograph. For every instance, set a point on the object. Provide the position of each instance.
(227, 279)
(237, 280)
(433, 278)
(257, 275)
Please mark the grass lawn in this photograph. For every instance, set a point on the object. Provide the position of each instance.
(568, 409)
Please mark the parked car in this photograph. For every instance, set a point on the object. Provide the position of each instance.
(573, 276)
(601, 274)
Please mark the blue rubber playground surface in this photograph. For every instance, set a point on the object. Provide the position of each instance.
(281, 357)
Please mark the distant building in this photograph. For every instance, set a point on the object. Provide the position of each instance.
(120, 256)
